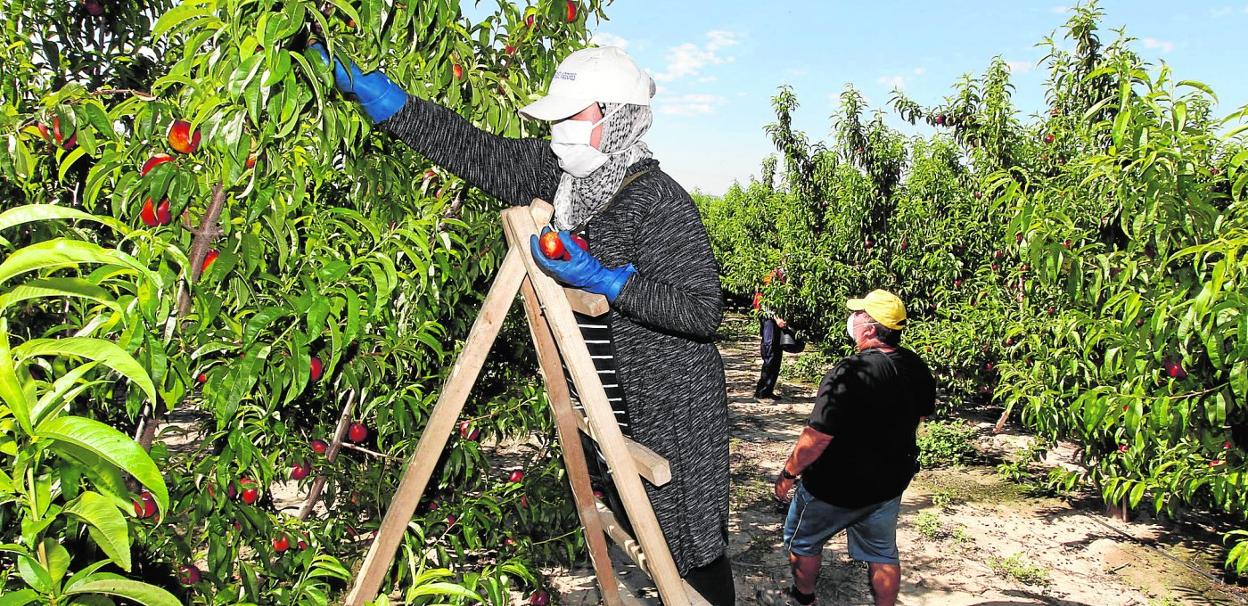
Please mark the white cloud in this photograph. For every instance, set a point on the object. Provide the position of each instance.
(708, 79)
(1164, 45)
(892, 81)
(608, 39)
(688, 59)
(1019, 67)
(918, 71)
(689, 105)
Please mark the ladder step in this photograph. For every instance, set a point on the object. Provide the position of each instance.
(587, 303)
(650, 465)
(632, 549)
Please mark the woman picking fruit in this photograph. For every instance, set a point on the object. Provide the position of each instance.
(648, 254)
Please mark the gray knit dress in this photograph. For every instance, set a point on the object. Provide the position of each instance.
(662, 323)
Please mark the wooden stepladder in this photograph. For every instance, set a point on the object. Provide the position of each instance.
(557, 339)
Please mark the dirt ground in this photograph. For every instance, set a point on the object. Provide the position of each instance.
(967, 537)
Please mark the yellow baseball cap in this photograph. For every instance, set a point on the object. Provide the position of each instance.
(883, 306)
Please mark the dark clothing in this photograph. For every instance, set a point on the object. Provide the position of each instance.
(871, 404)
(772, 355)
(661, 324)
(714, 582)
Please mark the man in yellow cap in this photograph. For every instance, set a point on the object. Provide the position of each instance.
(857, 454)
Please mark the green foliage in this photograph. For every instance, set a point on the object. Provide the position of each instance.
(945, 443)
(1085, 269)
(1019, 568)
(332, 241)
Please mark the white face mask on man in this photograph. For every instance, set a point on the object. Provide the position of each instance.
(570, 140)
(849, 327)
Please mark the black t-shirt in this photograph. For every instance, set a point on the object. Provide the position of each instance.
(870, 403)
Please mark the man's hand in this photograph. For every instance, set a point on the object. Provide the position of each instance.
(784, 489)
(780, 323)
(379, 97)
(582, 270)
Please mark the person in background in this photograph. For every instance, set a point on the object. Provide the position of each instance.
(857, 454)
(769, 329)
(648, 254)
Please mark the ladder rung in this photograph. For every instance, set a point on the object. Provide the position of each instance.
(587, 303)
(621, 538)
(632, 548)
(650, 465)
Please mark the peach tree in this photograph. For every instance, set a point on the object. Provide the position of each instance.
(291, 273)
(1082, 271)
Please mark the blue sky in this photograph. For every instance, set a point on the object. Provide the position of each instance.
(719, 62)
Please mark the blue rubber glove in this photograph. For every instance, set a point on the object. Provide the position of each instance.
(582, 270)
(380, 97)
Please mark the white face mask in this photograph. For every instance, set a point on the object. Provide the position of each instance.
(849, 327)
(570, 140)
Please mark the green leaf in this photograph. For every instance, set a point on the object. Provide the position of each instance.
(47, 212)
(136, 591)
(58, 287)
(63, 252)
(185, 11)
(19, 598)
(11, 390)
(106, 525)
(112, 446)
(99, 350)
(441, 588)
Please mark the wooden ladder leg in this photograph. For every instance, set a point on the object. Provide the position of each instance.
(436, 433)
(518, 226)
(570, 440)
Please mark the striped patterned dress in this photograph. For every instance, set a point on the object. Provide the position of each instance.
(669, 379)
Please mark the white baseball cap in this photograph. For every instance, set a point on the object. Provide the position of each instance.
(592, 75)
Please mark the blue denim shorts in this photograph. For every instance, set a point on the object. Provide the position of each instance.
(871, 531)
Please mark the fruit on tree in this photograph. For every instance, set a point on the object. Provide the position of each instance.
(210, 258)
(202, 378)
(145, 505)
(940, 119)
(251, 160)
(458, 70)
(467, 431)
(300, 470)
(69, 144)
(154, 215)
(571, 9)
(153, 162)
(451, 519)
(1048, 137)
(509, 49)
(95, 8)
(281, 544)
(539, 598)
(316, 368)
(181, 138)
(189, 575)
(249, 493)
(319, 446)
(530, 21)
(357, 432)
(516, 477)
(1175, 370)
